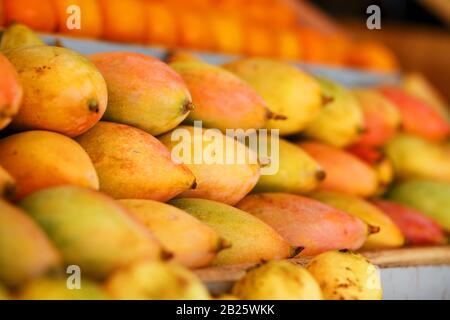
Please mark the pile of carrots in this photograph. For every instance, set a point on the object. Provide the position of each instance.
(267, 28)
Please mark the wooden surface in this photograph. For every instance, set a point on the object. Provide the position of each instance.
(405, 257)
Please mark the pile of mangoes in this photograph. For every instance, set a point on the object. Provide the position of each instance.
(90, 175)
(268, 28)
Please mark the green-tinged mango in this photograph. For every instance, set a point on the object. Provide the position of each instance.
(429, 197)
(289, 92)
(143, 91)
(221, 99)
(132, 164)
(91, 230)
(25, 250)
(156, 281)
(415, 157)
(192, 243)
(278, 280)
(17, 36)
(251, 240)
(385, 234)
(341, 122)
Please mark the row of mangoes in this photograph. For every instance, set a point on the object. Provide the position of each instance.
(254, 28)
(77, 124)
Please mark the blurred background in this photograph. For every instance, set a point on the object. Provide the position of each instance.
(414, 33)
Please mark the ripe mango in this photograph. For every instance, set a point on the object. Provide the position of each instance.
(387, 234)
(91, 230)
(430, 197)
(7, 185)
(143, 92)
(415, 157)
(287, 91)
(10, 92)
(221, 99)
(18, 36)
(307, 223)
(418, 117)
(341, 122)
(381, 117)
(297, 171)
(25, 251)
(278, 280)
(344, 275)
(252, 241)
(156, 281)
(192, 242)
(63, 91)
(338, 164)
(416, 226)
(43, 159)
(56, 289)
(132, 164)
(207, 157)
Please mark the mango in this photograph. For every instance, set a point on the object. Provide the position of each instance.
(338, 164)
(181, 56)
(429, 197)
(192, 243)
(10, 92)
(416, 226)
(344, 275)
(156, 281)
(419, 118)
(143, 92)
(295, 171)
(7, 185)
(91, 230)
(287, 91)
(341, 122)
(42, 159)
(386, 234)
(18, 36)
(307, 223)
(381, 117)
(25, 250)
(225, 169)
(132, 164)
(278, 280)
(415, 157)
(251, 240)
(4, 295)
(221, 99)
(57, 289)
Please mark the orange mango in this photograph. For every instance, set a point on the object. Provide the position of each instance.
(37, 14)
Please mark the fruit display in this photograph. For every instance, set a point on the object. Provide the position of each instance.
(258, 28)
(142, 173)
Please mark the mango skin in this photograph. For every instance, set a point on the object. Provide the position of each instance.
(298, 172)
(287, 91)
(337, 164)
(11, 92)
(388, 235)
(341, 121)
(91, 230)
(25, 250)
(221, 99)
(251, 240)
(4, 295)
(7, 185)
(17, 36)
(143, 92)
(223, 182)
(132, 164)
(344, 275)
(156, 281)
(429, 197)
(56, 289)
(307, 223)
(278, 280)
(192, 243)
(63, 91)
(42, 159)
